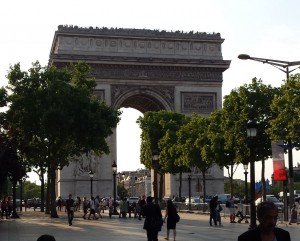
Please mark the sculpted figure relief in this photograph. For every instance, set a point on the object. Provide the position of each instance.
(85, 163)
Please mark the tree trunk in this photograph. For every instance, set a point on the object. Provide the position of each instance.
(180, 184)
(52, 191)
(231, 181)
(42, 190)
(204, 187)
(263, 181)
(48, 193)
(14, 211)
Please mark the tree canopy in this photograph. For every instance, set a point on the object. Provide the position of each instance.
(53, 115)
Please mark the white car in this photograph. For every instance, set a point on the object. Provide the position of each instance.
(270, 198)
(195, 201)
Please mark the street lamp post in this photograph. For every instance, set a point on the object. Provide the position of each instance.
(189, 179)
(284, 67)
(246, 190)
(123, 178)
(155, 164)
(114, 170)
(91, 178)
(251, 134)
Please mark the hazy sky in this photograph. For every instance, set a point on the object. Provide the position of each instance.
(260, 28)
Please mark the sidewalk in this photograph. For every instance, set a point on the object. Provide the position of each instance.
(191, 227)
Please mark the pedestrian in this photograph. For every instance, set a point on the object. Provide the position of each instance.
(9, 205)
(4, 208)
(170, 215)
(212, 210)
(110, 206)
(85, 204)
(124, 208)
(92, 208)
(153, 221)
(137, 210)
(46, 237)
(34, 203)
(142, 203)
(293, 218)
(230, 205)
(218, 213)
(25, 204)
(267, 215)
(59, 203)
(70, 209)
(121, 207)
(97, 206)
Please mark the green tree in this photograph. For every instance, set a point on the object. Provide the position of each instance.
(194, 146)
(285, 124)
(159, 133)
(54, 115)
(246, 102)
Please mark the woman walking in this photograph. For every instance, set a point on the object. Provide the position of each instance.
(170, 215)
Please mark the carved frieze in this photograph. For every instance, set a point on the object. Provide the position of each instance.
(198, 102)
(148, 73)
(134, 47)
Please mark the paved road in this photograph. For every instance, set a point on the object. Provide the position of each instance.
(191, 227)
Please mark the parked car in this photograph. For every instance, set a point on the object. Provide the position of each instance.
(176, 199)
(195, 201)
(208, 198)
(133, 200)
(270, 198)
(222, 198)
(296, 197)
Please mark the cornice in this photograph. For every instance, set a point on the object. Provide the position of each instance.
(129, 32)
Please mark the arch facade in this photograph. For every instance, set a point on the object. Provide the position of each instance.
(148, 70)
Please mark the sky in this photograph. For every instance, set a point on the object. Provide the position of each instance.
(261, 28)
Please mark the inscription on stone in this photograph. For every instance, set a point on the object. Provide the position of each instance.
(198, 102)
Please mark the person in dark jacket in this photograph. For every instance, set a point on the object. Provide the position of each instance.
(153, 220)
(171, 213)
(267, 214)
(212, 210)
(70, 209)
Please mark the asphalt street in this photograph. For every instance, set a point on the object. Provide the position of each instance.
(191, 227)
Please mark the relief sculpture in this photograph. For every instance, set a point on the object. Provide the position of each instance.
(85, 163)
(198, 102)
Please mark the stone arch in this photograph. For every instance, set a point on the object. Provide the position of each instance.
(148, 70)
(143, 99)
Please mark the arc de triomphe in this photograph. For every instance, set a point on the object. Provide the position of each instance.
(148, 70)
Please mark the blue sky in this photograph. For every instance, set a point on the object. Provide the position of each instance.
(260, 28)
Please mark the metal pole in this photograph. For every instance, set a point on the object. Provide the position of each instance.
(291, 174)
(115, 212)
(252, 191)
(246, 196)
(91, 186)
(155, 183)
(190, 206)
(246, 187)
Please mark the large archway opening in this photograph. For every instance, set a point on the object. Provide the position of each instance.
(128, 141)
(133, 106)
